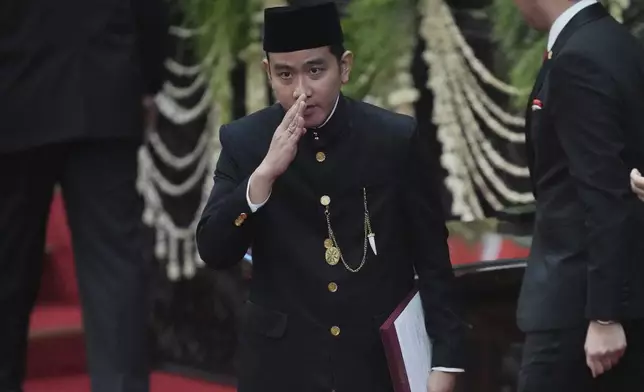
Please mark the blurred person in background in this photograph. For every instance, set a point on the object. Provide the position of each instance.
(74, 76)
(582, 299)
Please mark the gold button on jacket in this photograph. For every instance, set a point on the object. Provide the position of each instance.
(320, 156)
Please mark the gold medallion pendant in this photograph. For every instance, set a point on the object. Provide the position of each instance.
(328, 243)
(332, 255)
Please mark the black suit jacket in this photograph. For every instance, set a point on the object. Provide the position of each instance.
(584, 135)
(74, 69)
(286, 340)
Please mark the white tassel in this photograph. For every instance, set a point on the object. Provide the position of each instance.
(160, 248)
(372, 242)
(188, 251)
(189, 269)
(173, 271)
(148, 216)
(198, 260)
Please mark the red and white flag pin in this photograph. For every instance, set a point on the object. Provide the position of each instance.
(536, 105)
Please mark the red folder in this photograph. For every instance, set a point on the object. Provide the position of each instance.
(393, 351)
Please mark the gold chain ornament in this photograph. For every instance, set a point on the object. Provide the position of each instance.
(333, 253)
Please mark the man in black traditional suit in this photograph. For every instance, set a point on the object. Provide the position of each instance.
(341, 205)
(73, 77)
(582, 300)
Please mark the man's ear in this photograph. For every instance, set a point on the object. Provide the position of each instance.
(346, 63)
(267, 68)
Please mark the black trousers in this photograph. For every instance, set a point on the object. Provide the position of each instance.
(554, 361)
(104, 212)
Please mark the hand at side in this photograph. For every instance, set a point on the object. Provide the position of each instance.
(637, 183)
(441, 381)
(605, 346)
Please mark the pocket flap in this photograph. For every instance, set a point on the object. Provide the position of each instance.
(264, 321)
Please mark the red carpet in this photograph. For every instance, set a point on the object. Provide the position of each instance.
(48, 319)
(56, 355)
(160, 383)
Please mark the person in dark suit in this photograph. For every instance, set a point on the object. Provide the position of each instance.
(341, 206)
(73, 77)
(582, 299)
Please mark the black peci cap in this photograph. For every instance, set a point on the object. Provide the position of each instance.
(289, 29)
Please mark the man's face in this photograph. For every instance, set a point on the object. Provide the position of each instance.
(533, 14)
(313, 72)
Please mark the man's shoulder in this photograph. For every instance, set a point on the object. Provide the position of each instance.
(607, 52)
(256, 126)
(604, 42)
(384, 120)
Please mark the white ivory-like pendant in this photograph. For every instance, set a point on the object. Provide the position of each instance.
(372, 242)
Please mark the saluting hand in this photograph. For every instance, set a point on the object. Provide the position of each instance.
(281, 152)
(637, 183)
(284, 144)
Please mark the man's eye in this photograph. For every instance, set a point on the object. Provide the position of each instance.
(285, 75)
(316, 70)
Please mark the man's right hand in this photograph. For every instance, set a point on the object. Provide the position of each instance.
(280, 154)
(605, 345)
(637, 183)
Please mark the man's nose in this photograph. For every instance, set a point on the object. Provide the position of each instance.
(301, 88)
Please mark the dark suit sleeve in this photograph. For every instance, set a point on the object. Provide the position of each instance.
(585, 105)
(152, 25)
(225, 230)
(428, 238)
